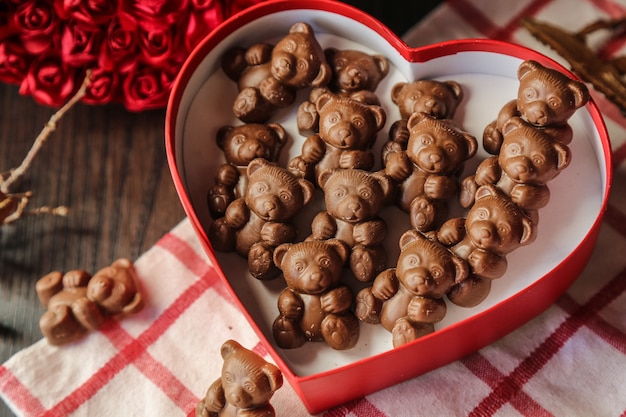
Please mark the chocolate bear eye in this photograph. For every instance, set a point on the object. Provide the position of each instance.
(325, 262)
(358, 122)
(249, 386)
(290, 45)
(538, 160)
(340, 192)
(482, 213)
(239, 139)
(426, 140)
(298, 266)
(504, 229)
(285, 195)
(514, 149)
(365, 193)
(530, 93)
(334, 117)
(451, 148)
(436, 272)
(302, 64)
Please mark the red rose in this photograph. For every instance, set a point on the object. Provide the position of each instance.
(14, 61)
(102, 87)
(120, 46)
(50, 81)
(206, 16)
(37, 25)
(80, 44)
(96, 12)
(147, 88)
(170, 10)
(157, 40)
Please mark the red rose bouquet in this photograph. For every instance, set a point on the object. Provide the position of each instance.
(134, 48)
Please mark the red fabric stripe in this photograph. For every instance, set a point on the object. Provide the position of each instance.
(19, 394)
(361, 407)
(506, 33)
(474, 17)
(489, 374)
(513, 382)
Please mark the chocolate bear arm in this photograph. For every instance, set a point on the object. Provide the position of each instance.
(227, 174)
(470, 292)
(488, 171)
(370, 232)
(274, 233)
(237, 214)
(215, 399)
(386, 284)
(440, 187)
(507, 111)
(398, 165)
(337, 300)
(290, 304)
(313, 149)
(426, 310)
(530, 197)
(487, 264)
(399, 133)
(259, 53)
(323, 226)
(451, 232)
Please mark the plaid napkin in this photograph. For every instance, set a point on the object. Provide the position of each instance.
(569, 361)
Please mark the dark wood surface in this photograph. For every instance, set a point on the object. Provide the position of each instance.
(109, 167)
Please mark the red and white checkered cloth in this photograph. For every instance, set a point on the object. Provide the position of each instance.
(569, 361)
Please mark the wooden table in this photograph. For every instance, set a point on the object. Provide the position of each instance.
(109, 167)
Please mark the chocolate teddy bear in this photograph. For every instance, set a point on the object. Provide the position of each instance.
(245, 388)
(408, 299)
(347, 131)
(528, 159)
(77, 302)
(354, 199)
(253, 225)
(241, 144)
(493, 228)
(314, 306)
(439, 99)
(546, 99)
(356, 75)
(427, 172)
(268, 77)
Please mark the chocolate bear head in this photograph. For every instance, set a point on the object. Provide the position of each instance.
(348, 124)
(354, 195)
(241, 144)
(247, 379)
(530, 156)
(438, 146)
(114, 288)
(298, 59)
(426, 267)
(496, 224)
(547, 97)
(275, 194)
(312, 266)
(440, 99)
(355, 70)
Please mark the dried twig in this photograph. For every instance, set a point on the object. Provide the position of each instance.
(13, 205)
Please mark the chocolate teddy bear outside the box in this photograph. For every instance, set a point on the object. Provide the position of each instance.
(253, 225)
(245, 387)
(353, 200)
(546, 99)
(408, 299)
(356, 75)
(528, 159)
(315, 306)
(77, 302)
(241, 144)
(427, 171)
(268, 77)
(439, 99)
(493, 228)
(347, 131)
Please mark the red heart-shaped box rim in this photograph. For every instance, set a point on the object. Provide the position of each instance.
(333, 387)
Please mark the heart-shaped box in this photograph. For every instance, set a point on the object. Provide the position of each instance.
(537, 274)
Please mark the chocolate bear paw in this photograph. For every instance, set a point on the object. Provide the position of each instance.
(492, 139)
(251, 107)
(340, 332)
(362, 264)
(423, 214)
(286, 334)
(260, 262)
(467, 192)
(307, 118)
(368, 307)
(218, 199)
(405, 331)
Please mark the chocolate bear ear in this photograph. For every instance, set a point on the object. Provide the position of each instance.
(512, 124)
(228, 347)
(301, 27)
(580, 92)
(382, 63)
(279, 253)
(417, 118)
(340, 247)
(379, 116)
(409, 236)
(222, 134)
(308, 190)
(255, 165)
(274, 376)
(134, 306)
(527, 67)
(324, 176)
(529, 234)
(462, 269)
(565, 155)
(456, 89)
(396, 90)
